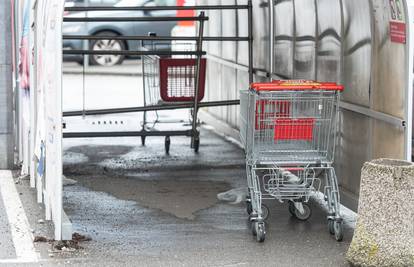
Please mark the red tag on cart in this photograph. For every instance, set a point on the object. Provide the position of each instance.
(294, 129)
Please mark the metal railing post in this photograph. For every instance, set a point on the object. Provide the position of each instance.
(271, 38)
(197, 79)
(250, 33)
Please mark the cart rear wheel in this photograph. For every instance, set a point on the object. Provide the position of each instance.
(307, 212)
(167, 144)
(143, 140)
(339, 232)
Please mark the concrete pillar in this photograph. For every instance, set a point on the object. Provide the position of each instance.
(6, 90)
(384, 234)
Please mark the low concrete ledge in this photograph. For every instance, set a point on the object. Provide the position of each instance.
(66, 227)
(384, 235)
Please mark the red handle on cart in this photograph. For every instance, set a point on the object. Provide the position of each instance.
(296, 85)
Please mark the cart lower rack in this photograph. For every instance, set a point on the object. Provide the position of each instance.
(288, 130)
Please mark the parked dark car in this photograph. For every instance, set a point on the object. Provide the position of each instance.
(114, 29)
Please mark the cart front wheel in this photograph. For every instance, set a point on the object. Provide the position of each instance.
(265, 212)
(292, 208)
(253, 228)
(339, 232)
(305, 214)
(196, 144)
(167, 145)
(260, 231)
(331, 226)
(249, 207)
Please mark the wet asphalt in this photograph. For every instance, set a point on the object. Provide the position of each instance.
(142, 207)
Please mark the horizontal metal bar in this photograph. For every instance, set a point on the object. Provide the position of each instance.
(374, 114)
(228, 63)
(156, 8)
(152, 38)
(131, 53)
(150, 108)
(135, 19)
(237, 66)
(188, 133)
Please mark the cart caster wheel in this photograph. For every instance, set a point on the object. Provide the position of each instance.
(253, 228)
(260, 232)
(196, 145)
(249, 207)
(265, 212)
(331, 226)
(143, 140)
(339, 231)
(292, 208)
(167, 144)
(307, 212)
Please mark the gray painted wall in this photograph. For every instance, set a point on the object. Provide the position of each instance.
(6, 90)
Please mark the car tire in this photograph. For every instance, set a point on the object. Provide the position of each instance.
(115, 45)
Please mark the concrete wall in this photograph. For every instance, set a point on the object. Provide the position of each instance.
(345, 41)
(6, 90)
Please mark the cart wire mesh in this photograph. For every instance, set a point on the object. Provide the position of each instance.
(289, 126)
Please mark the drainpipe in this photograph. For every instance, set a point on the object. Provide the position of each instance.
(6, 90)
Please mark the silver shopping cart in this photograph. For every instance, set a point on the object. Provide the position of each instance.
(169, 81)
(288, 130)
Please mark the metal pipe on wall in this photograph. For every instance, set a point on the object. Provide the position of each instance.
(6, 90)
(271, 38)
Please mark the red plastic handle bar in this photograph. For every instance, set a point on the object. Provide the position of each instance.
(296, 85)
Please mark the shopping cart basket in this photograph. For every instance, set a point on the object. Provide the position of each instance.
(172, 80)
(288, 129)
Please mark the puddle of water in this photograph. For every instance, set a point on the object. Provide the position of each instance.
(181, 198)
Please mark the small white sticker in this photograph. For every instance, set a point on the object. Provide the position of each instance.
(320, 107)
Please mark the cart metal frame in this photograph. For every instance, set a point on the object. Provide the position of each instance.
(289, 137)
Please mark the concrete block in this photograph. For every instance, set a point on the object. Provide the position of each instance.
(66, 227)
(384, 235)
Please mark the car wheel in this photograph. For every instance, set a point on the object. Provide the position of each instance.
(107, 45)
